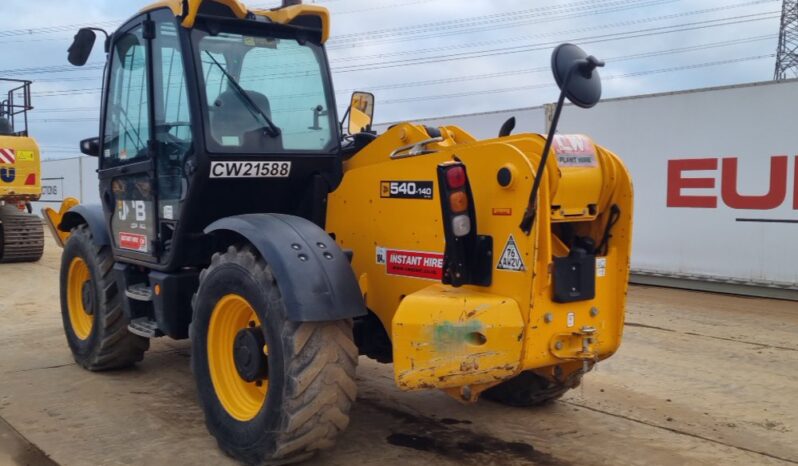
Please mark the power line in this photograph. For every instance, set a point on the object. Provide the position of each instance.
(100, 65)
(613, 60)
(700, 25)
(52, 29)
(646, 32)
(503, 51)
(545, 85)
(584, 6)
(445, 31)
(504, 90)
(113, 24)
(517, 39)
(483, 76)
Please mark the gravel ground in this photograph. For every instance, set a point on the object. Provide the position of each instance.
(700, 379)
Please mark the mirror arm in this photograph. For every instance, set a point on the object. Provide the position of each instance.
(343, 120)
(107, 43)
(531, 208)
(586, 67)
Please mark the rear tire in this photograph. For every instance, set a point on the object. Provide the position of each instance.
(91, 307)
(530, 389)
(310, 375)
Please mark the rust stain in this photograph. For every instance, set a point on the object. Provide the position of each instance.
(469, 365)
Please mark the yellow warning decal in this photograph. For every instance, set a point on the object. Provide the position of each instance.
(25, 156)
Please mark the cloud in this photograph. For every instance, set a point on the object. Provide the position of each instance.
(375, 33)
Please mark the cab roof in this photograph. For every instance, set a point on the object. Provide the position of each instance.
(188, 10)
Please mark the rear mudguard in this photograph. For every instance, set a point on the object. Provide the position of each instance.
(313, 274)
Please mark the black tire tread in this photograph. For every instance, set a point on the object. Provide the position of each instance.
(320, 387)
(116, 347)
(530, 389)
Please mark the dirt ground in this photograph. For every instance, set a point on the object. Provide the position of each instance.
(700, 379)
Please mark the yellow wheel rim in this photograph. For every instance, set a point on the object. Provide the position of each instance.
(77, 277)
(241, 399)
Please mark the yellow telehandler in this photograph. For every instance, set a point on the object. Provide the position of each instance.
(235, 212)
(21, 232)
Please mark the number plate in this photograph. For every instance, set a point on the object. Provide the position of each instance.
(250, 169)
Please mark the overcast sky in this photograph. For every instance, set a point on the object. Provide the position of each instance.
(425, 58)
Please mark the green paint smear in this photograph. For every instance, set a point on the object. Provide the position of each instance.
(448, 334)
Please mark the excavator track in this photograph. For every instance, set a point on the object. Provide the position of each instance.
(21, 236)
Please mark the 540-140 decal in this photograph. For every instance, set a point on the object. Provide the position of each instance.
(406, 189)
(241, 169)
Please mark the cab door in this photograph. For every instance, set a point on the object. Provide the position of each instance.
(127, 168)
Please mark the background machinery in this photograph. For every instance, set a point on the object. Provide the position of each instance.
(21, 233)
(233, 211)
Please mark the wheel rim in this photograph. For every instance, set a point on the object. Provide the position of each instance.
(241, 399)
(80, 318)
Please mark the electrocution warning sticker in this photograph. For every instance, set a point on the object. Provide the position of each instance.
(511, 257)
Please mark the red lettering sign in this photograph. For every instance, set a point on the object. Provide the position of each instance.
(574, 150)
(414, 264)
(775, 195)
(795, 182)
(133, 241)
(676, 182)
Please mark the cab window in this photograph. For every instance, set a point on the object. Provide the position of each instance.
(127, 128)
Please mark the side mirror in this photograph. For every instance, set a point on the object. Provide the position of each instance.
(81, 47)
(90, 147)
(361, 112)
(576, 75)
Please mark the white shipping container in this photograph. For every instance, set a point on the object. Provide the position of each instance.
(487, 125)
(73, 177)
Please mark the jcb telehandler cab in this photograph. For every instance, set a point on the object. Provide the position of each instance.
(234, 212)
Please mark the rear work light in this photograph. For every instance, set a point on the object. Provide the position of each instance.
(461, 225)
(467, 259)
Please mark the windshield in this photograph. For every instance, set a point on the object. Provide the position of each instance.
(265, 94)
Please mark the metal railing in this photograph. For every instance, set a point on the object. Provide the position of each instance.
(14, 109)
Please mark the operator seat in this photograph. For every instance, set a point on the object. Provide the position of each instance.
(232, 122)
(5, 127)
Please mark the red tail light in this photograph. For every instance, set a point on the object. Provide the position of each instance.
(467, 257)
(455, 177)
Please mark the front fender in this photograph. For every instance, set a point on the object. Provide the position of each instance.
(313, 274)
(72, 215)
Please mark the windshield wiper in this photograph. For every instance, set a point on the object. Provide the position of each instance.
(270, 128)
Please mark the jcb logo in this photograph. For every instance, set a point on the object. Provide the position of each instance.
(124, 207)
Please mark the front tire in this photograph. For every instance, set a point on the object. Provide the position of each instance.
(293, 402)
(91, 307)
